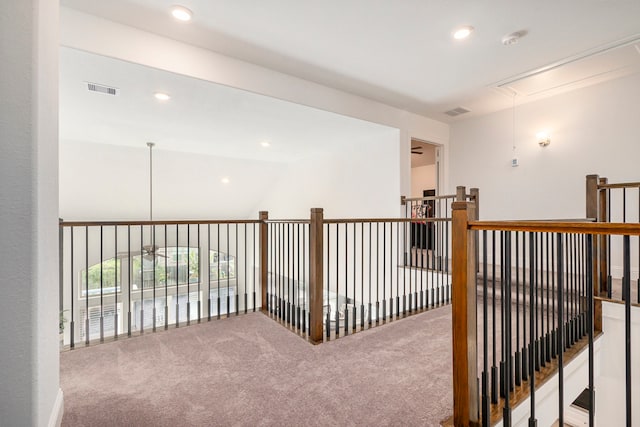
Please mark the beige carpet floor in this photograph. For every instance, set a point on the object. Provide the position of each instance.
(250, 371)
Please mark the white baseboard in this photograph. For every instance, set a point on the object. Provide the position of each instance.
(55, 420)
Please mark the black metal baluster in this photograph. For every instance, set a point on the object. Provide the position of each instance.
(554, 330)
(328, 317)
(502, 317)
(384, 272)
(86, 284)
(337, 308)
(398, 270)
(377, 264)
(518, 364)
(235, 274)
(253, 269)
(486, 398)
(411, 263)
(227, 255)
(589, 296)
(561, 332)
(548, 332)
(304, 278)
(142, 252)
(626, 292)
(494, 367)
(101, 289)
(218, 271)
(430, 265)
(115, 282)
(362, 275)
(188, 275)
(532, 333)
(346, 279)
(534, 315)
(446, 257)
(166, 280)
(153, 277)
(370, 277)
(288, 272)
(525, 348)
(245, 260)
(177, 275)
(506, 412)
(390, 271)
(404, 268)
(354, 318)
(72, 323)
(130, 261)
(200, 251)
(208, 272)
(270, 277)
(422, 270)
(298, 282)
(608, 254)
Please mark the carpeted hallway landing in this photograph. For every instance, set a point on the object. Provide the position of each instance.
(249, 370)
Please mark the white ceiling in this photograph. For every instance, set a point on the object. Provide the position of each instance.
(200, 117)
(397, 52)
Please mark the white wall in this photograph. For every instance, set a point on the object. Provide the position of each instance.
(422, 178)
(361, 180)
(593, 130)
(29, 388)
(86, 32)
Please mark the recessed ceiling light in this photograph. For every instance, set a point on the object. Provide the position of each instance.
(181, 13)
(265, 144)
(462, 32)
(225, 180)
(162, 96)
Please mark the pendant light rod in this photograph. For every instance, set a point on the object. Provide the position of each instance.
(150, 145)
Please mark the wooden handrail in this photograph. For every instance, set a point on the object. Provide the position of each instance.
(619, 185)
(558, 227)
(418, 199)
(163, 222)
(374, 220)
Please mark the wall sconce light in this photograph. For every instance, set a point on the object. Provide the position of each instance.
(543, 139)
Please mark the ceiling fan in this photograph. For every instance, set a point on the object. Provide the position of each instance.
(149, 252)
(416, 150)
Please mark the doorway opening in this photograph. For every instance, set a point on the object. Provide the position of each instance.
(425, 169)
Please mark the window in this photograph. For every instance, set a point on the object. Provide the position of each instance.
(106, 271)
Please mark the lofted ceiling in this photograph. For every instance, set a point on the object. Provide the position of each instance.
(402, 52)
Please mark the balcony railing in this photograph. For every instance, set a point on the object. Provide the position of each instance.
(321, 277)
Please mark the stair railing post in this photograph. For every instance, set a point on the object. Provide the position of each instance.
(316, 279)
(464, 320)
(264, 257)
(603, 216)
(593, 212)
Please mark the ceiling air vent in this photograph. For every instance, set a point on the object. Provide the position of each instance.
(94, 87)
(456, 111)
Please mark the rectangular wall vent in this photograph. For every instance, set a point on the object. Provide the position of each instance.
(456, 111)
(94, 87)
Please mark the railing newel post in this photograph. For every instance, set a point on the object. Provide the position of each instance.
(316, 279)
(464, 295)
(264, 257)
(603, 209)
